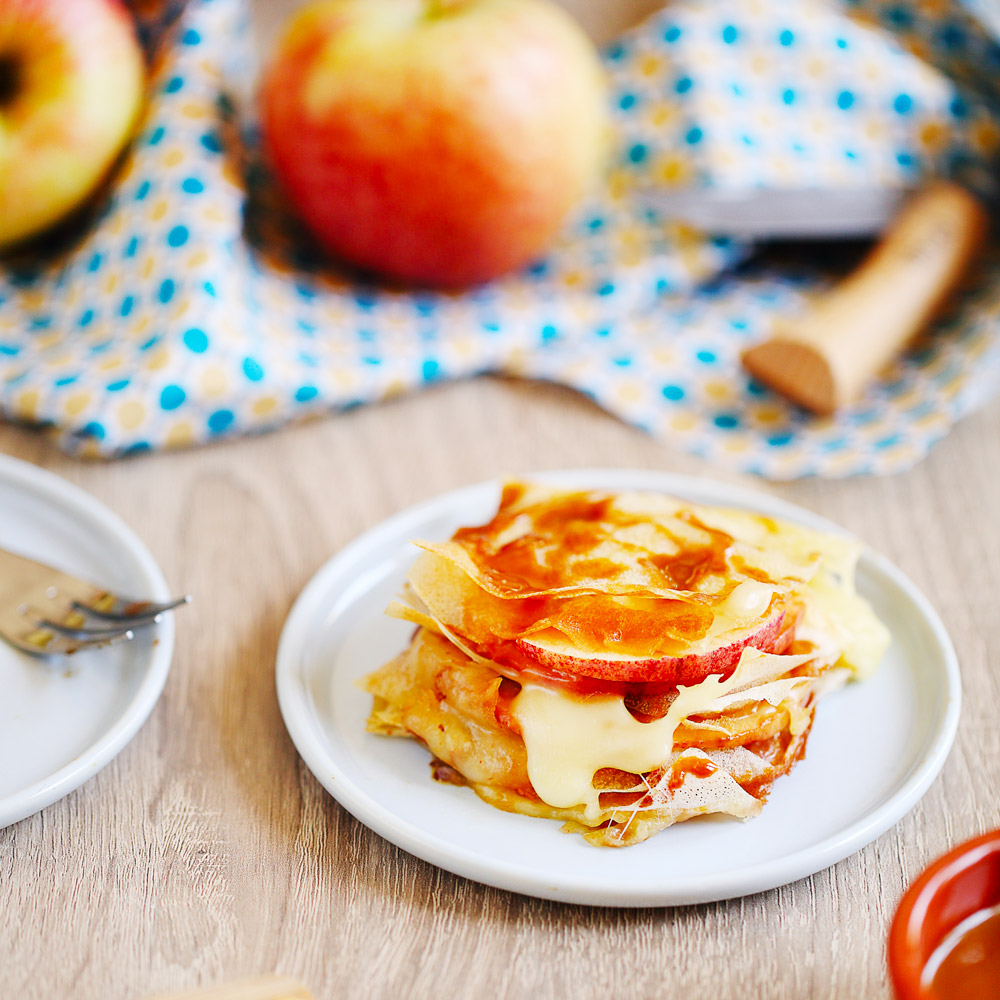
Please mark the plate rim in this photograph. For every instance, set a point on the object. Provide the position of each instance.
(32, 798)
(301, 722)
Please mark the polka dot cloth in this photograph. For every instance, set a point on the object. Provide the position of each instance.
(195, 309)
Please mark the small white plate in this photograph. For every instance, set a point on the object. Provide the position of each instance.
(874, 750)
(62, 720)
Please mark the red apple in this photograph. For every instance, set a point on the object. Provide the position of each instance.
(437, 142)
(71, 84)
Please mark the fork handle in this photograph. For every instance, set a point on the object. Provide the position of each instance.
(255, 988)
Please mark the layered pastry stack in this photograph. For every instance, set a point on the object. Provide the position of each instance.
(623, 661)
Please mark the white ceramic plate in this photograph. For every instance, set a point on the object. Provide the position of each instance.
(874, 749)
(62, 720)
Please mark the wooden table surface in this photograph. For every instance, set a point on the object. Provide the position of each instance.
(207, 851)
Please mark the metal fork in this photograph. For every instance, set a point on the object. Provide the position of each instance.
(46, 612)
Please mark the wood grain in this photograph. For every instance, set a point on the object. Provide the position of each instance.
(207, 851)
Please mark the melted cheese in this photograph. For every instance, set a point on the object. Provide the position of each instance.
(569, 738)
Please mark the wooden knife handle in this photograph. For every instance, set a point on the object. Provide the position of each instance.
(823, 358)
(255, 988)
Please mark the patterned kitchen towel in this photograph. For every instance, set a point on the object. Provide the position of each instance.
(196, 309)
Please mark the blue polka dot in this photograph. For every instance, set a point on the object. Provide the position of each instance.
(173, 85)
(171, 397)
(683, 84)
(252, 370)
(127, 303)
(132, 247)
(10, 350)
(210, 141)
(780, 440)
(615, 51)
(156, 136)
(903, 104)
(730, 34)
(491, 327)
(94, 263)
(41, 322)
(672, 392)
(694, 136)
(166, 292)
(196, 340)
(888, 442)
(142, 190)
(747, 140)
(626, 101)
(786, 37)
(209, 287)
(726, 421)
(595, 223)
(86, 318)
(602, 331)
(904, 159)
(220, 420)
(65, 380)
(191, 37)
(177, 236)
(637, 153)
(370, 359)
(118, 385)
(844, 100)
(622, 362)
(549, 332)
(756, 388)
(192, 185)
(899, 16)
(429, 369)
(304, 393)
(706, 357)
(841, 43)
(137, 448)
(672, 34)
(148, 345)
(958, 107)
(606, 289)
(850, 154)
(93, 430)
(788, 95)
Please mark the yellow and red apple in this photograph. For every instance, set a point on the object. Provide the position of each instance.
(437, 142)
(71, 84)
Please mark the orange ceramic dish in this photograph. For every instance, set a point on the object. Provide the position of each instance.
(931, 919)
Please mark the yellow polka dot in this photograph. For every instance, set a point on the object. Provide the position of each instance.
(131, 414)
(571, 279)
(110, 283)
(767, 414)
(661, 114)
(180, 434)
(172, 157)
(194, 110)
(650, 65)
(148, 267)
(141, 325)
(77, 403)
(198, 259)
(26, 404)
(158, 360)
(682, 422)
(933, 135)
(159, 210)
(264, 406)
(734, 445)
(110, 364)
(629, 392)
(718, 390)
(213, 214)
(394, 389)
(986, 136)
(214, 382)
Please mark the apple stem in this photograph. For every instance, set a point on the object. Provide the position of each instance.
(10, 78)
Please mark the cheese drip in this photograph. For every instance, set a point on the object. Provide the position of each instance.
(568, 739)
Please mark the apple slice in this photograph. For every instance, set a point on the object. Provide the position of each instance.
(552, 652)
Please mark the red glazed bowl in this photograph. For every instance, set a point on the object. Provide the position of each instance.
(961, 883)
